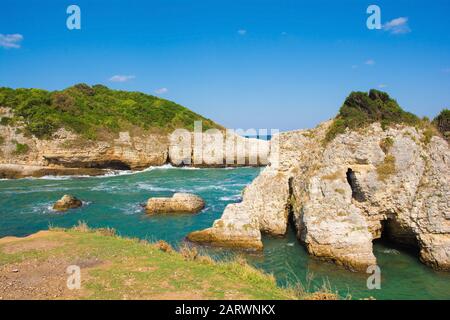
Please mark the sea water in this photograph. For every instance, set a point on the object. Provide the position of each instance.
(116, 201)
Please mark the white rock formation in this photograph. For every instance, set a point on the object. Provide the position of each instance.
(178, 203)
(345, 194)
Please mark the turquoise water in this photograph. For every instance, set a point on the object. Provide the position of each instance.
(115, 201)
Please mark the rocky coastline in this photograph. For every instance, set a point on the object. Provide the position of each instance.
(68, 154)
(364, 185)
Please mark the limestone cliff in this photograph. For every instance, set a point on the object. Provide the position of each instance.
(68, 153)
(86, 129)
(363, 185)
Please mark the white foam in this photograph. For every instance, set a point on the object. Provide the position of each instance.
(231, 198)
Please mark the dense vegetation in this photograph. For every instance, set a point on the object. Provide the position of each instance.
(88, 110)
(442, 122)
(360, 109)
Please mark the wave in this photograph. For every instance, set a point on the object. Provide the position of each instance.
(235, 197)
(113, 173)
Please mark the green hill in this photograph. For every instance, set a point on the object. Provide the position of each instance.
(361, 109)
(89, 110)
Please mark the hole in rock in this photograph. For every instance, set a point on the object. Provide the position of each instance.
(395, 236)
(357, 192)
(112, 164)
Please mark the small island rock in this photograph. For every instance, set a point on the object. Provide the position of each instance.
(178, 203)
(67, 202)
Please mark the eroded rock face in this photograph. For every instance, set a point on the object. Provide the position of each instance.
(343, 195)
(67, 202)
(127, 151)
(178, 203)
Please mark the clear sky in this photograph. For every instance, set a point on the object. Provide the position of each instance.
(245, 64)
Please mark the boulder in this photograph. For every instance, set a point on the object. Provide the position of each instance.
(67, 202)
(178, 203)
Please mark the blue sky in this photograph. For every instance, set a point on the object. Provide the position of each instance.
(245, 64)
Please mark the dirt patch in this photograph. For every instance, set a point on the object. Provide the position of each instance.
(37, 235)
(86, 263)
(40, 244)
(38, 278)
(33, 279)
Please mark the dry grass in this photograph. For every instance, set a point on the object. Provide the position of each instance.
(109, 232)
(428, 133)
(386, 144)
(332, 176)
(386, 168)
(189, 253)
(164, 246)
(81, 227)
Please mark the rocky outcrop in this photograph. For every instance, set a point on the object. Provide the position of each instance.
(361, 186)
(68, 153)
(235, 229)
(178, 203)
(67, 202)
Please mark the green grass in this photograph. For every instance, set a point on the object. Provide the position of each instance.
(21, 148)
(361, 109)
(92, 110)
(134, 269)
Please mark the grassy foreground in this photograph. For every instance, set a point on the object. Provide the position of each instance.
(113, 267)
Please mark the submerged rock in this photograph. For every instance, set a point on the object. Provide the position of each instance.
(67, 202)
(178, 203)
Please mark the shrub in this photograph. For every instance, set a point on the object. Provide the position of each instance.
(428, 133)
(2, 140)
(64, 102)
(386, 144)
(21, 148)
(81, 227)
(189, 253)
(164, 246)
(5, 121)
(361, 109)
(442, 122)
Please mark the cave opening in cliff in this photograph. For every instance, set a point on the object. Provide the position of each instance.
(110, 164)
(393, 235)
(107, 164)
(357, 193)
(290, 207)
(97, 164)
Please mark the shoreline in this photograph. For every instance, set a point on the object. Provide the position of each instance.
(19, 171)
